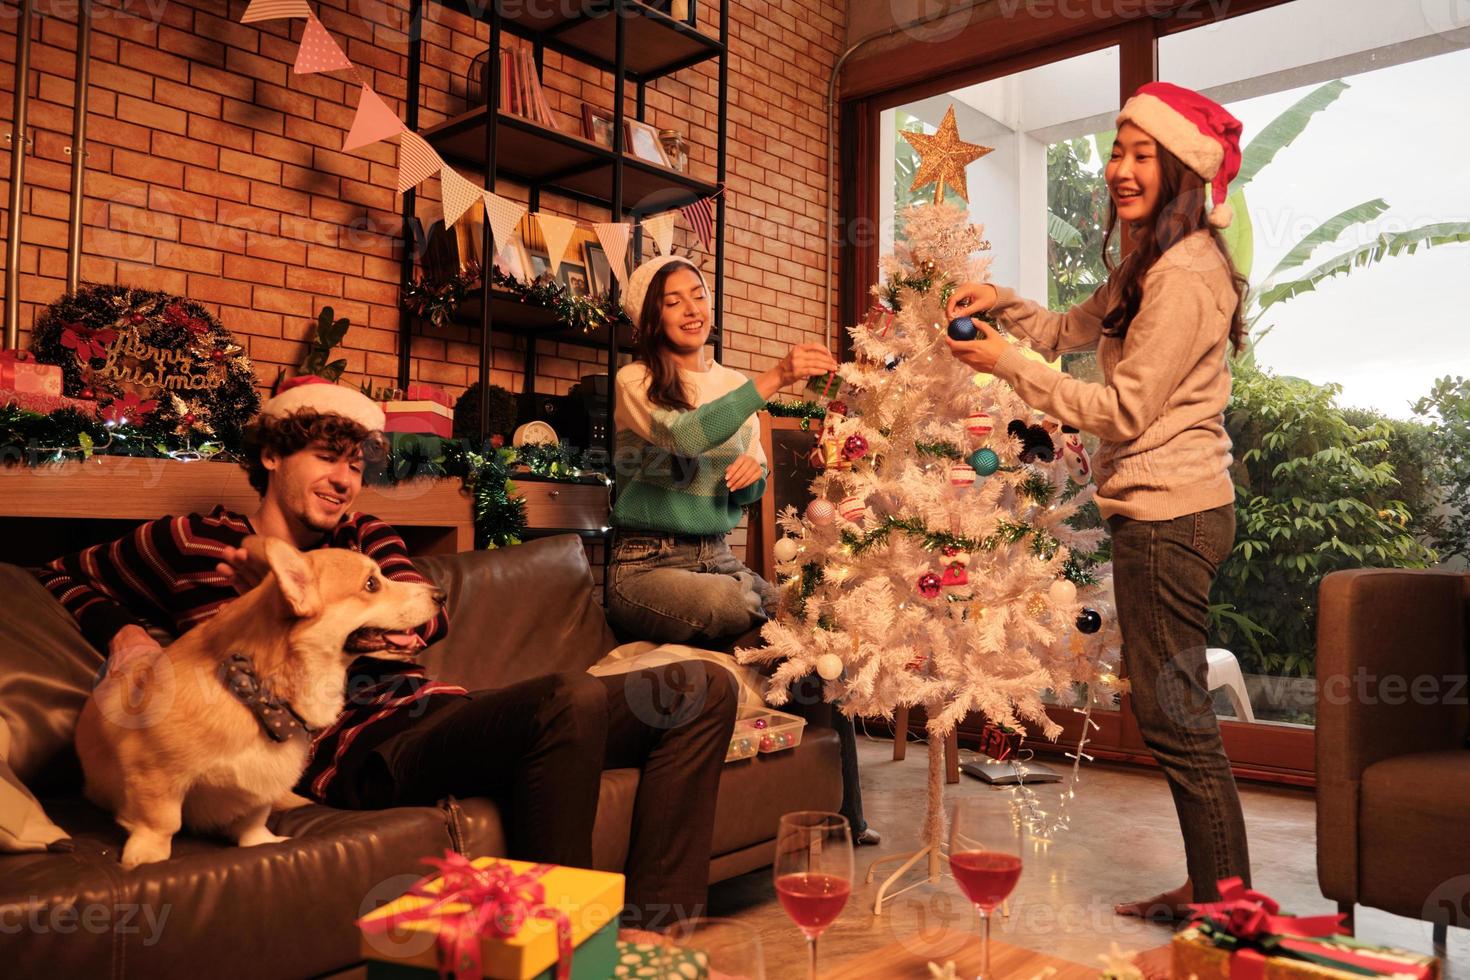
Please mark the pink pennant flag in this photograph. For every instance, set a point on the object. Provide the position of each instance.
(417, 161)
(318, 52)
(614, 238)
(504, 216)
(274, 10)
(459, 195)
(660, 228)
(374, 121)
(701, 218)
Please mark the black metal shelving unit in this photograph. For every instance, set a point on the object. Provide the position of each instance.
(635, 43)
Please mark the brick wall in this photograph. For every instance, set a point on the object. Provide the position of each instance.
(213, 171)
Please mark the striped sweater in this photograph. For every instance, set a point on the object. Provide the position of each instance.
(671, 464)
(163, 575)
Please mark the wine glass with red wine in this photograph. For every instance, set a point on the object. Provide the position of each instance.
(985, 858)
(813, 871)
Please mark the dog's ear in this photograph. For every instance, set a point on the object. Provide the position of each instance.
(294, 577)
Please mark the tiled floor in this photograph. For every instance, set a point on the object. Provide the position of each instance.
(1123, 844)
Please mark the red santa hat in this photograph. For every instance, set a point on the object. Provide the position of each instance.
(1200, 132)
(310, 393)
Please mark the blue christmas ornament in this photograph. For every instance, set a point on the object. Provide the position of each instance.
(984, 461)
(963, 328)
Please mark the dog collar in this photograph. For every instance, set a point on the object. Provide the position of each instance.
(277, 718)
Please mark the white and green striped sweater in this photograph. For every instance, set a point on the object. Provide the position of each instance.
(659, 492)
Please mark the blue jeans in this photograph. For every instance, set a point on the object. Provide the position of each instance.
(1162, 573)
(674, 588)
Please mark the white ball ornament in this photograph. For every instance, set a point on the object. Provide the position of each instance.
(852, 509)
(821, 512)
(961, 475)
(829, 666)
(785, 549)
(979, 425)
(1063, 592)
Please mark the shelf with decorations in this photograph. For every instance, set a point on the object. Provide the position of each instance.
(635, 43)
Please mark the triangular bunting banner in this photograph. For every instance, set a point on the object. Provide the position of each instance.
(701, 215)
(614, 239)
(459, 194)
(557, 232)
(374, 121)
(417, 161)
(660, 228)
(274, 10)
(504, 216)
(318, 52)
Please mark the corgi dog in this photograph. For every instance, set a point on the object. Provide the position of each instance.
(211, 730)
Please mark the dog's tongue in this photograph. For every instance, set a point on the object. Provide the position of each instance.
(405, 640)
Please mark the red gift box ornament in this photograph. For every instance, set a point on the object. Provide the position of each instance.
(23, 374)
(500, 902)
(420, 392)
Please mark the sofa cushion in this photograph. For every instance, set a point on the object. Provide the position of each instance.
(1406, 806)
(516, 613)
(290, 905)
(46, 672)
(755, 792)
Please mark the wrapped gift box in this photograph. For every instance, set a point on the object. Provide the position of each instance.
(641, 956)
(1195, 954)
(422, 416)
(23, 374)
(1243, 937)
(403, 938)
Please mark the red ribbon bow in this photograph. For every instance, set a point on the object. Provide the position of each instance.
(500, 902)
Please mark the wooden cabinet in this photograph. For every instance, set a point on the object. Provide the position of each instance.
(553, 507)
(48, 511)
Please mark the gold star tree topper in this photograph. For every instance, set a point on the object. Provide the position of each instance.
(943, 158)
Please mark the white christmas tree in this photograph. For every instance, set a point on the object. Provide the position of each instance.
(938, 564)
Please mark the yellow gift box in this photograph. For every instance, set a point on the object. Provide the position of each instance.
(591, 900)
(1194, 955)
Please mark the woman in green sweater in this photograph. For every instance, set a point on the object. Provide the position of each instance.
(688, 462)
(1163, 326)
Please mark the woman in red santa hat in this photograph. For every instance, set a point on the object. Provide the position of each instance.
(1164, 326)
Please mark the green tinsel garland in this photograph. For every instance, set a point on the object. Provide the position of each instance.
(1043, 544)
(38, 439)
(796, 410)
(437, 300)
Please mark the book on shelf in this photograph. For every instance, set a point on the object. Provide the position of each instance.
(521, 93)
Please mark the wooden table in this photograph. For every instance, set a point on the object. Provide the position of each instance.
(905, 959)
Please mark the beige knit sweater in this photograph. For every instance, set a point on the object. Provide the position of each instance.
(1159, 412)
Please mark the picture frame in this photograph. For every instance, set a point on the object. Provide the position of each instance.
(574, 277)
(538, 263)
(642, 141)
(597, 127)
(513, 261)
(599, 269)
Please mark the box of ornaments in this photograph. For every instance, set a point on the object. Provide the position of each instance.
(764, 730)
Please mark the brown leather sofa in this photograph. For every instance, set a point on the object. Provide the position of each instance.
(287, 910)
(1393, 760)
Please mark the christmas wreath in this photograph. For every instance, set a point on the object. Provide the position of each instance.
(148, 355)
